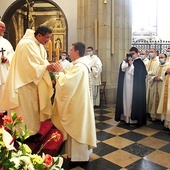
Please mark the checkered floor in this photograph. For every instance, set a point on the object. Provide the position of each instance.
(125, 147)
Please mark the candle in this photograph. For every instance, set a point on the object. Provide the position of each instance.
(57, 54)
(49, 50)
(95, 34)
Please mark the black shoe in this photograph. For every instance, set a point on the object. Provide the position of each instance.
(79, 163)
(34, 138)
(65, 164)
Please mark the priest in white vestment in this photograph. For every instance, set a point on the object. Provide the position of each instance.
(144, 58)
(164, 104)
(96, 69)
(6, 54)
(64, 62)
(151, 69)
(156, 82)
(73, 106)
(28, 87)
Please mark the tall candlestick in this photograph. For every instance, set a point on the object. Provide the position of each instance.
(95, 34)
(50, 50)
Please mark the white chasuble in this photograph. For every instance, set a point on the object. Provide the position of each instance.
(73, 106)
(28, 89)
(156, 90)
(164, 104)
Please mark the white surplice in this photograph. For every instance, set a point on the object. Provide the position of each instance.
(127, 92)
(96, 69)
(4, 67)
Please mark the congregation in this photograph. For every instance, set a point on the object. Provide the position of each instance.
(143, 89)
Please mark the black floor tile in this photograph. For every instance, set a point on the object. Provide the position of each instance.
(162, 135)
(166, 148)
(102, 125)
(133, 136)
(102, 118)
(103, 149)
(101, 135)
(155, 125)
(127, 126)
(138, 149)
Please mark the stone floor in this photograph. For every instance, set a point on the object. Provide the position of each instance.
(126, 147)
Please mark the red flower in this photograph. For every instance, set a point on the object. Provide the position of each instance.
(48, 160)
(7, 120)
(56, 136)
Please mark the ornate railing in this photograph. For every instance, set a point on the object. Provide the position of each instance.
(160, 46)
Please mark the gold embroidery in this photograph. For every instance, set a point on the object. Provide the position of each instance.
(149, 67)
(157, 94)
(157, 98)
(160, 71)
(165, 99)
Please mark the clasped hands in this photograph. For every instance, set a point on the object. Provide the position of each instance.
(55, 67)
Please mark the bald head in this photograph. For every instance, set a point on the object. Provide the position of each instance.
(2, 28)
(142, 52)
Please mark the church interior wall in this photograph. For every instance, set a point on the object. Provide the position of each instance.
(105, 26)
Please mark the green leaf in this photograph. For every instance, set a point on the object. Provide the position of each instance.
(14, 115)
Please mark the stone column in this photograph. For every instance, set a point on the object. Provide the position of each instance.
(122, 37)
(113, 35)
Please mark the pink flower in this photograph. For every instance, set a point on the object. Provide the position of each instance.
(48, 160)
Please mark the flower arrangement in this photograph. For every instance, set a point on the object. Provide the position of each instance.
(22, 157)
